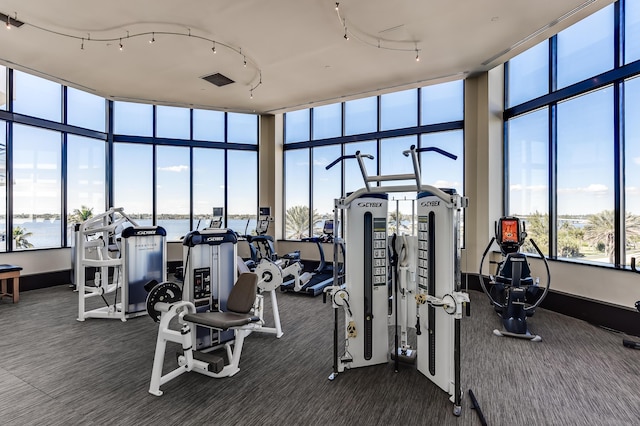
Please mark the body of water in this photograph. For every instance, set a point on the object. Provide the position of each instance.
(47, 233)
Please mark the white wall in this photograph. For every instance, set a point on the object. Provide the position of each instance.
(39, 261)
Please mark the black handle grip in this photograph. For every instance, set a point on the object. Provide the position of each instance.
(339, 159)
(439, 151)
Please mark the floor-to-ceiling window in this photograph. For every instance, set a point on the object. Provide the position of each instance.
(36, 184)
(69, 154)
(571, 162)
(383, 127)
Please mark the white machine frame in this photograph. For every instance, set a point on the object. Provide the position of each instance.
(191, 360)
(271, 275)
(93, 248)
(372, 346)
(185, 336)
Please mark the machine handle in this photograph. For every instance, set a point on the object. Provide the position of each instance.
(346, 157)
(484, 287)
(439, 151)
(546, 289)
(429, 148)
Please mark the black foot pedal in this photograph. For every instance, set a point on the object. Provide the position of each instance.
(216, 363)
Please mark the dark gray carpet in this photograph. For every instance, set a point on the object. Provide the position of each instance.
(55, 370)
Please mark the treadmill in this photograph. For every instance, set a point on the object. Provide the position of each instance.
(322, 276)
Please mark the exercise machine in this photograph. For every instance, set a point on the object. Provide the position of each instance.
(261, 245)
(265, 285)
(626, 342)
(314, 282)
(165, 305)
(214, 223)
(364, 297)
(209, 259)
(124, 258)
(514, 293)
(217, 218)
(439, 290)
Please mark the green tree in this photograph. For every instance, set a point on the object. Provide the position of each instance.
(297, 221)
(81, 214)
(20, 238)
(569, 237)
(600, 230)
(570, 240)
(537, 227)
(395, 222)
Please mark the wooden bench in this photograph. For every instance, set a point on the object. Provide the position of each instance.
(10, 273)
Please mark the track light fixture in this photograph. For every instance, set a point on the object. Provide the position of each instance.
(255, 87)
(374, 41)
(13, 22)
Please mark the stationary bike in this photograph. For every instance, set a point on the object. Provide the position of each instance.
(514, 294)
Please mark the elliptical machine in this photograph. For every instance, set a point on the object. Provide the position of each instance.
(514, 294)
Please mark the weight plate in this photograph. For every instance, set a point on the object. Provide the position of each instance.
(167, 292)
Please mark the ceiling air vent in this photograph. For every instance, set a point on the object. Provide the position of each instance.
(218, 79)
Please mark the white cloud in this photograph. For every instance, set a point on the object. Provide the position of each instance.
(176, 169)
(532, 188)
(636, 160)
(594, 188)
(445, 184)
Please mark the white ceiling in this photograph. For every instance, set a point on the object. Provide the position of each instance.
(295, 47)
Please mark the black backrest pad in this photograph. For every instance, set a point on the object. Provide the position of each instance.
(243, 293)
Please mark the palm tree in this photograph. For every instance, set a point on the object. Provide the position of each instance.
(20, 238)
(81, 214)
(395, 221)
(601, 230)
(297, 221)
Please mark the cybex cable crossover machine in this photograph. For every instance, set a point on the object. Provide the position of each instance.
(364, 295)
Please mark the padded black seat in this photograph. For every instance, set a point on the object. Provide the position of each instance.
(9, 268)
(221, 320)
(239, 305)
